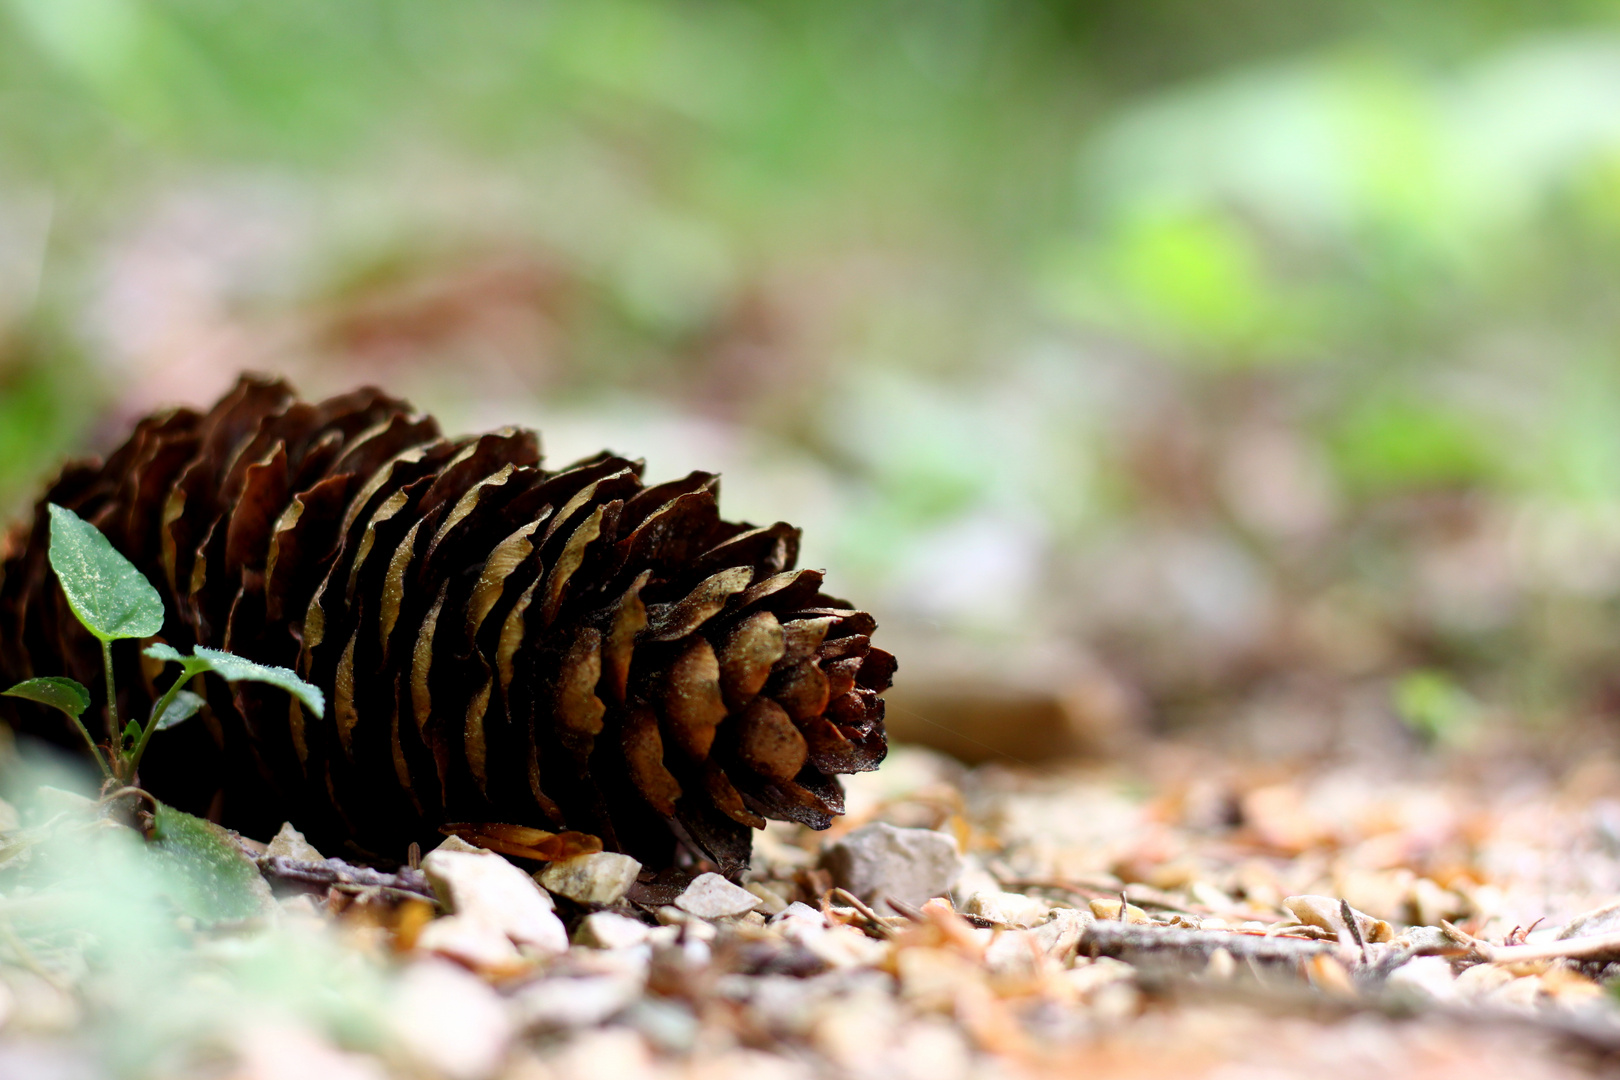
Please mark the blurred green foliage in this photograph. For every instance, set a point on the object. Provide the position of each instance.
(89, 904)
(1436, 708)
(1050, 264)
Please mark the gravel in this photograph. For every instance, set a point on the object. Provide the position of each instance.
(880, 861)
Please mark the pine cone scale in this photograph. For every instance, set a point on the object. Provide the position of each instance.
(750, 651)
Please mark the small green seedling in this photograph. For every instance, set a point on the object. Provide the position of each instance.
(115, 602)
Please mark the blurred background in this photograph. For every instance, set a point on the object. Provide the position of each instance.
(1244, 372)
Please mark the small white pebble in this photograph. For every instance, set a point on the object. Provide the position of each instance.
(290, 843)
(451, 1020)
(1427, 975)
(681, 922)
(711, 896)
(607, 930)
(771, 901)
(602, 877)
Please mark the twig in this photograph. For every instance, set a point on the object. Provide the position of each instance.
(1585, 948)
(883, 928)
(1141, 895)
(916, 915)
(913, 913)
(1125, 940)
(1477, 948)
(335, 873)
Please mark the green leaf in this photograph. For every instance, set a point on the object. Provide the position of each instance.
(166, 653)
(59, 693)
(235, 669)
(207, 876)
(110, 597)
(182, 708)
(132, 731)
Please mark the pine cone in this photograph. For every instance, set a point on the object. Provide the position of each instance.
(497, 643)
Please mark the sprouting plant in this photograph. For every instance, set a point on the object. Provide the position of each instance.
(114, 601)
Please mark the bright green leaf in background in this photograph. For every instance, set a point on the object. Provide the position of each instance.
(235, 669)
(110, 597)
(1390, 443)
(59, 693)
(1199, 273)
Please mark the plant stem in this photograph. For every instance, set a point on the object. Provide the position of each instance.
(106, 770)
(115, 730)
(162, 706)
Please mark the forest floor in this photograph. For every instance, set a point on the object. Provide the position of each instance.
(1343, 921)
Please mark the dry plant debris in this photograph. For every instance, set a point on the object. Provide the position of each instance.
(1206, 923)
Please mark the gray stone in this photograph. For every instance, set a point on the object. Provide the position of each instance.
(574, 1003)
(600, 878)
(1060, 935)
(486, 891)
(1428, 976)
(289, 843)
(879, 861)
(450, 1020)
(1008, 908)
(476, 943)
(711, 896)
(689, 926)
(1014, 951)
(1603, 920)
(799, 912)
(606, 930)
(771, 900)
(1430, 939)
(668, 1025)
(456, 843)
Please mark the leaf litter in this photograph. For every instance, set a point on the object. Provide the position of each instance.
(1188, 916)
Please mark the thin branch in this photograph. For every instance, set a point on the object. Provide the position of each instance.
(883, 928)
(335, 873)
(1144, 896)
(1583, 948)
(1124, 941)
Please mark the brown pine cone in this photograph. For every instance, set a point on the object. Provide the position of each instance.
(497, 643)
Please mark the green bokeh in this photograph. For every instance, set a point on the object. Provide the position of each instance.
(962, 257)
